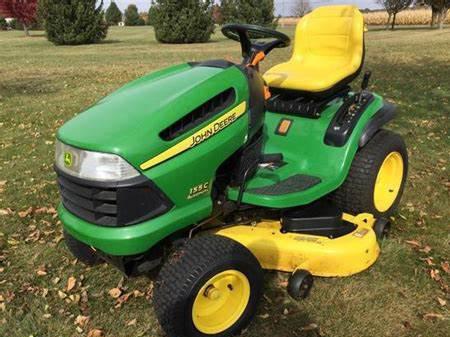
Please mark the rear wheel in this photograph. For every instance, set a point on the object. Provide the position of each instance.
(377, 177)
(211, 286)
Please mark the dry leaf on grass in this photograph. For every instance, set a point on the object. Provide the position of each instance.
(441, 302)
(434, 273)
(433, 316)
(23, 214)
(446, 267)
(115, 292)
(41, 271)
(71, 282)
(414, 243)
(6, 211)
(81, 320)
(95, 333)
(132, 322)
(310, 327)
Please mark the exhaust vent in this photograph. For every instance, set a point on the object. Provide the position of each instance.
(196, 117)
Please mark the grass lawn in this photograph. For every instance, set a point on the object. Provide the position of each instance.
(406, 293)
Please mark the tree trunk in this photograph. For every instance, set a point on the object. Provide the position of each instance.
(388, 21)
(25, 29)
(442, 17)
(393, 21)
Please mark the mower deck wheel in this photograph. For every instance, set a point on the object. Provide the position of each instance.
(81, 251)
(382, 227)
(300, 284)
(211, 286)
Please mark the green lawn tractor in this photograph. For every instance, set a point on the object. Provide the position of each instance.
(209, 172)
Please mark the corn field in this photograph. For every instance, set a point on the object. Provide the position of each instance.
(408, 17)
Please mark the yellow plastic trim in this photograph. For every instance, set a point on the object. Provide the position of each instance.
(221, 302)
(328, 48)
(343, 256)
(199, 137)
(389, 181)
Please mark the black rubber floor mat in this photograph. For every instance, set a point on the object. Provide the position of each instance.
(297, 183)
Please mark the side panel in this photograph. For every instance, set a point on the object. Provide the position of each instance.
(305, 152)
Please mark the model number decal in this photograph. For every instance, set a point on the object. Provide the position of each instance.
(198, 190)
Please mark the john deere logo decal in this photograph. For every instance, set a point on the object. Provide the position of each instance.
(68, 159)
(199, 137)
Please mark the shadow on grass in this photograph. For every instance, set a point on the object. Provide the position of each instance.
(110, 41)
(27, 86)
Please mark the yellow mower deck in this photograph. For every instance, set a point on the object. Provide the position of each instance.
(321, 256)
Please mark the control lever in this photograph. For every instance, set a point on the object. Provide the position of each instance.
(364, 85)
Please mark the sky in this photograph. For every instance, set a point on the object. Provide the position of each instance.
(282, 7)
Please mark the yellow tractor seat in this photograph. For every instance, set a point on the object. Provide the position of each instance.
(328, 52)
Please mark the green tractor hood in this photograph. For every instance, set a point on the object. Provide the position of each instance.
(128, 122)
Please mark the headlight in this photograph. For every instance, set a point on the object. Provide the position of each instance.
(92, 165)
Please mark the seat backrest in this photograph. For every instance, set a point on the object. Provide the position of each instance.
(331, 32)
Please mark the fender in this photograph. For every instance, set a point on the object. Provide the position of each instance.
(378, 120)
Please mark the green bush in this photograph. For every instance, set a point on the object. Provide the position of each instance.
(183, 21)
(73, 22)
(255, 12)
(151, 14)
(3, 24)
(132, 17)
(113, 14)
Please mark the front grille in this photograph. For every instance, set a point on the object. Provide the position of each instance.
(112, 204)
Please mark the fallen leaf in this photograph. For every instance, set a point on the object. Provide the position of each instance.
(446, 267)
(132, 322)
(25, 213)
(309, 327)
(5, 211)
(425, 249)
(81, 320)
(71, 282)
(62, 295)
(115, 292)
(441, 302)
(95, 333)
(434, 273)
(285, 311)
(433, 316)
(414, 243)
(264, 316)
(41, 271)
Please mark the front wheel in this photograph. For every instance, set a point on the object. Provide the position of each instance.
(377, 177)
(211, 286)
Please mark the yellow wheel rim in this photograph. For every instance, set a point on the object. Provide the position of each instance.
(221, 302)
(389, 181)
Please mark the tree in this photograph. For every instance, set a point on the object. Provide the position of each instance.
(439, 9)
(393, 7)
(73, 22)
(301, 8)
(24, 11)
(256, 12)
(151, 14)
(132, 17)
(113, 14)
(183, 21)
(3, 23)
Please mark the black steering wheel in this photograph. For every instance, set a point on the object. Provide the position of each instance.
(248, 36)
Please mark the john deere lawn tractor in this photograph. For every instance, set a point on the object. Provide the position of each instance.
(209, 172)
